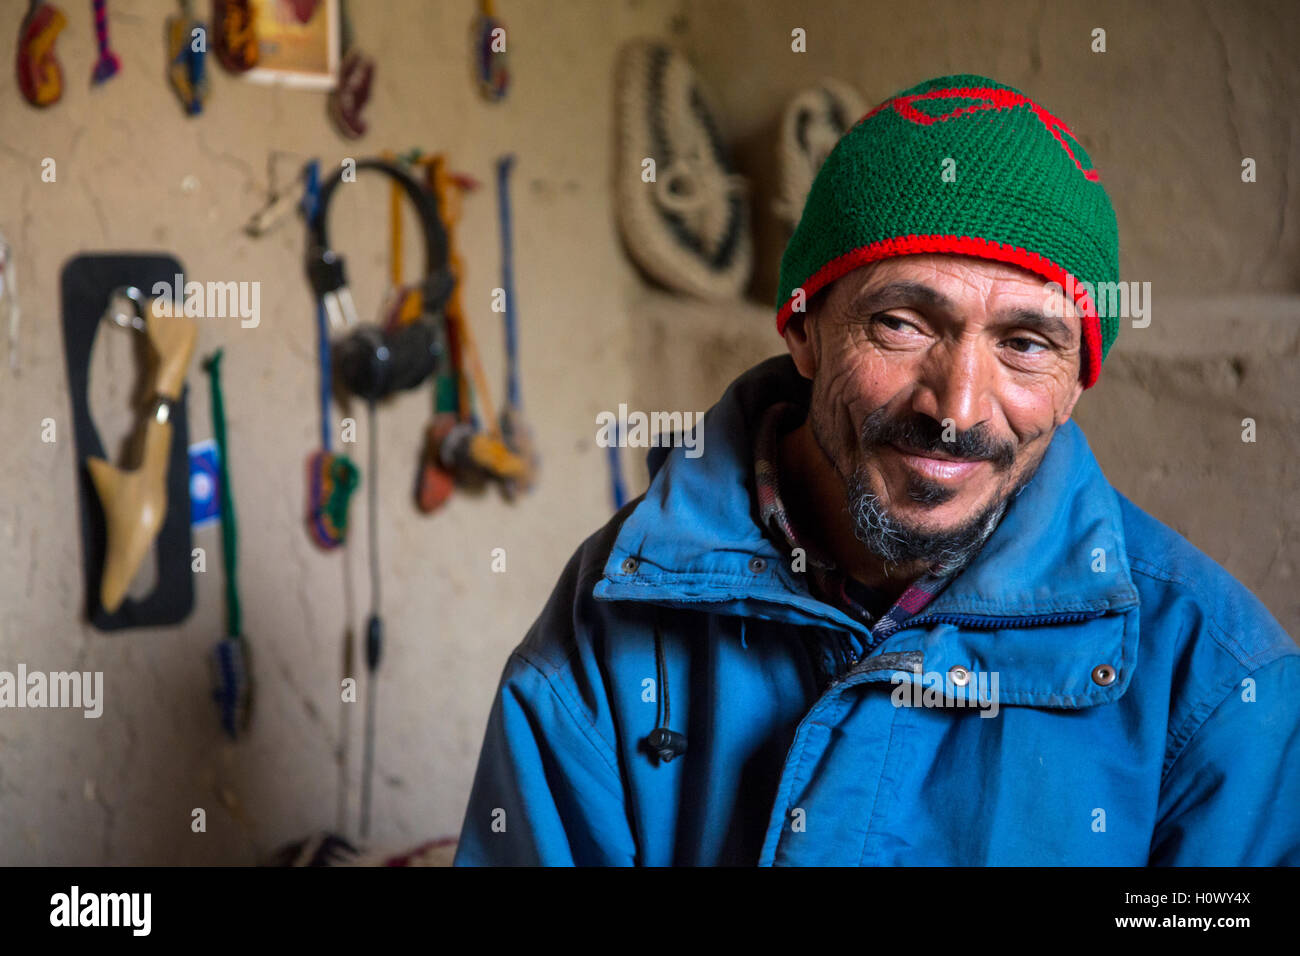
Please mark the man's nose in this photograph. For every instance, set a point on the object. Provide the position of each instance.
(956, 385)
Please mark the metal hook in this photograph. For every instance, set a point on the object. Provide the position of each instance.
(118, 317)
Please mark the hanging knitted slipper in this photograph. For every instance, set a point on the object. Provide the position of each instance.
(812, 124)
(689, 229)
(234, 27)
(40, 78)
(331, 480)
(185, 65)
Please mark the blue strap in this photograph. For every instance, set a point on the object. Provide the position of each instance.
(309, 205)
(322, 336)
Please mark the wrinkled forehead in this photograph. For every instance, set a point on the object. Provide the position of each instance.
(949, 283)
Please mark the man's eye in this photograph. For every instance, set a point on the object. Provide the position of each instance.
(894, 323)
(1027, 346)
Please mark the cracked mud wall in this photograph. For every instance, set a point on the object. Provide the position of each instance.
(1184, 92)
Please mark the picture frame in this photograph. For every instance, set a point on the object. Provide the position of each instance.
(292, 53)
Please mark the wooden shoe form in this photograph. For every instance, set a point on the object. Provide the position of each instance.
(135, 501)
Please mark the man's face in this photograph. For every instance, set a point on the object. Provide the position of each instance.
(938, 382)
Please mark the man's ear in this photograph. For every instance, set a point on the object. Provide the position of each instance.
(1071, 402)
(1077, 390)
(800, 333)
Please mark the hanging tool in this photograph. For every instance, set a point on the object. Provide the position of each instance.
(491, 65)
(232, 660)
(331, 478)
(374, 361)
(440, 180)
(86, 283)
(356, 74)
(108, 64)
(435, 484)
(185, 66)
(135, 501)
(468, 449)
(514, 430)
(465, 450)
(9, 299)
(40, 77)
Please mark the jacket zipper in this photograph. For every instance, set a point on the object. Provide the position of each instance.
(985, 623)
(979, 621)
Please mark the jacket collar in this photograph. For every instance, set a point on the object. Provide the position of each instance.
(694, 538)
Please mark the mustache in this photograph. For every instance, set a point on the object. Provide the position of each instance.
(922, 433)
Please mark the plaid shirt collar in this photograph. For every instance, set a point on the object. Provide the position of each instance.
(826, 581)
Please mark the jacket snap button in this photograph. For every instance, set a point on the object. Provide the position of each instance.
(959, 675)
(757, 565)
(630, 565)
(1103, 674)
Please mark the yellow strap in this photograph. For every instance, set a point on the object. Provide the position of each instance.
(394, 227)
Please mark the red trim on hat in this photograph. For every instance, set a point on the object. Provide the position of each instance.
(991, 98)
(966, 246)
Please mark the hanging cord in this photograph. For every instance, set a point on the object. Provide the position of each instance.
(665, 709)
(515, 432)
(504, 165)
(372, 654)
(349, 671)
(665, 743)
(374, 626)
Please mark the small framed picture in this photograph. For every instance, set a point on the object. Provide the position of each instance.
(297, 43)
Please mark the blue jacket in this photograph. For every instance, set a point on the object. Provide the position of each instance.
(1186, 752)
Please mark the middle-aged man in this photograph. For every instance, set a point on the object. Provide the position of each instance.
(895, 613)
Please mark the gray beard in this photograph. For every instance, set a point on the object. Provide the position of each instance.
(886, 538)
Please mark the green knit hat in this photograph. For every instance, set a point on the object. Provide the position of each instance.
(1022, 191)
